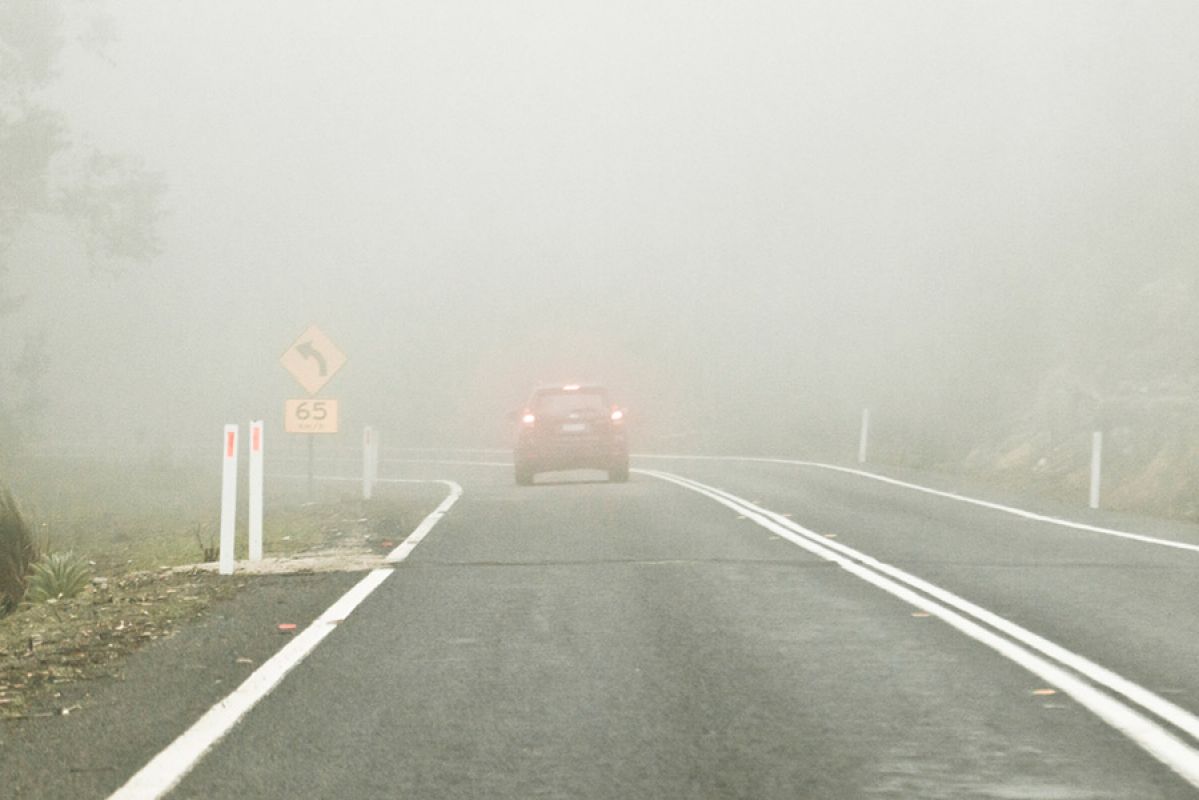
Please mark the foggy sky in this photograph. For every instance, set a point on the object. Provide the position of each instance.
(727, 211)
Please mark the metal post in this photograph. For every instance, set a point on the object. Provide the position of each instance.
(864, 441)
(1096, 466)
(311, 466)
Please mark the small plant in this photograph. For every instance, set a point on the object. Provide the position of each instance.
(17, 553)
(57, 577)
(206, 539)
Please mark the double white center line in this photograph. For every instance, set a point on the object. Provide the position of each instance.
(1126, 706)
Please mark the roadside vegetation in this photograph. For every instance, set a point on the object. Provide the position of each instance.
(1133, 375)
(99, 559)
(17, 553)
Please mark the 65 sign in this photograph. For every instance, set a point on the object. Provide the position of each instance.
(310, 416)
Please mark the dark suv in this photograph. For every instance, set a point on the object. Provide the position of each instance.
(571, 427)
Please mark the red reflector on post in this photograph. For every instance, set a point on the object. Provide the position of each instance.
(230, 444)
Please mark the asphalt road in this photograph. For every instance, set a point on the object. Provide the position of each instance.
(581, 639)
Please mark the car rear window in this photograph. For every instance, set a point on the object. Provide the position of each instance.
(561, 404)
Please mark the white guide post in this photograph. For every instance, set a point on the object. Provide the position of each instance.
(375, 441)
(864, 440)
(370, 463)
(374, 457)
(256, 489)
(1096, 466)
(228, 500)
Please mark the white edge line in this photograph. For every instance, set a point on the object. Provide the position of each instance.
(993, 506)
(1019, 512)
(1157, 741)
(422, 530)
(168, 768)
(1174, 714)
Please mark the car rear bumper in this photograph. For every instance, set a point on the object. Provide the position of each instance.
(579, 454)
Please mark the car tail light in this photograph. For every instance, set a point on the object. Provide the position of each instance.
(529, 418)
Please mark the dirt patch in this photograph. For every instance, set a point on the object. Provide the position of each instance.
(46, 646)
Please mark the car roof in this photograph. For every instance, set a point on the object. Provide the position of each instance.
(562, 389)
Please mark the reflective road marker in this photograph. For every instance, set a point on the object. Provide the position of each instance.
(256, 481)
(228, 500)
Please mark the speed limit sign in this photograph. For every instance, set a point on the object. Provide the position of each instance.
(310, 416)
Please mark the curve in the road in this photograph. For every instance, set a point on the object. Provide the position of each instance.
(961, 498)
(1071, 674)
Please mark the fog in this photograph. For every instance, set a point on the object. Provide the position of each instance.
(749, 220)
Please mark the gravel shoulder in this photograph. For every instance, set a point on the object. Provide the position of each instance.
(91, 687)
(158, 691)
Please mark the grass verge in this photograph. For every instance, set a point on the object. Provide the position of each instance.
(139, 545)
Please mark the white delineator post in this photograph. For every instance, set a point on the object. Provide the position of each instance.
(864, 440)
(256, 489)
(370, 462)
(1096, 466)
(228, 500)
(378, 440)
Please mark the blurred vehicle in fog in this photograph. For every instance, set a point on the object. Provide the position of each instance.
(570, 427)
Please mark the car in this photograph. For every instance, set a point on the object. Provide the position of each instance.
(570, 427)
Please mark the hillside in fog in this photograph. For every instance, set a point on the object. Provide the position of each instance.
(1132, 373)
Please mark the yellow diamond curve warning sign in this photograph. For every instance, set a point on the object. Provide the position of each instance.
(313, 360)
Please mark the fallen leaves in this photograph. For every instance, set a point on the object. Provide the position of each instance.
(42, 647)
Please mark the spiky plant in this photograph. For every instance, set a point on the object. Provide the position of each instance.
(57, 577)
(17, 553)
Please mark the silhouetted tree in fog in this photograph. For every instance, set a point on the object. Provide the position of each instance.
(107, 204)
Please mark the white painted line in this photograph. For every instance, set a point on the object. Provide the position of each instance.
(1149, 735)
(422, 530)
(1019, 512)
(507, 450)
(166, 769)
(1151, 702)
(457, 462)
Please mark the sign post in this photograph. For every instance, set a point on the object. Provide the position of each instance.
(312, 360)
(256, 489)
(228, 500)
(311, 468)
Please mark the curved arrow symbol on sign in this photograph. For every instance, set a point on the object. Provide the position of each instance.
(308, 351)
